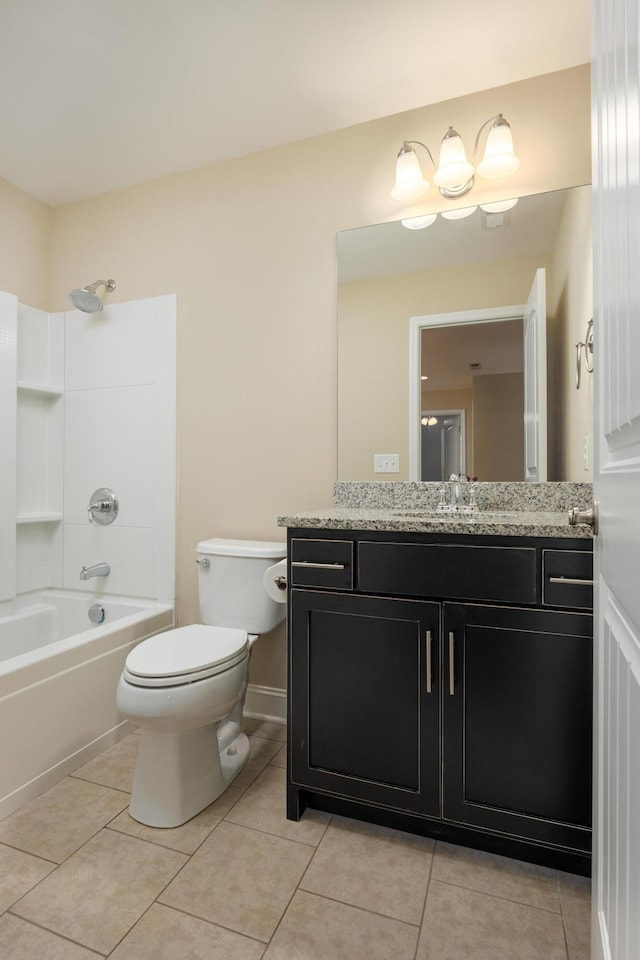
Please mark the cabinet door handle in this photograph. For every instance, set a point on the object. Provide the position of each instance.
(429, 676)
(317, 566)
(573, 580)
(452, 679)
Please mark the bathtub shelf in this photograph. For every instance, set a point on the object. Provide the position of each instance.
(42, 389)
(45, 516)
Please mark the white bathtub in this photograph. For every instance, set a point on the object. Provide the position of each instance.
(58, 679)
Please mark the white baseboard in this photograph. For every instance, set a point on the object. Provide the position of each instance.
(266, 703)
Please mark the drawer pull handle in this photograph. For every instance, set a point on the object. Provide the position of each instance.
(452, 679)
(429, 676)
(317, 566)
(571, 580)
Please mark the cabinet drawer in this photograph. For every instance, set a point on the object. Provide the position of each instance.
(448, 571)
(567, 578)
(322, 563)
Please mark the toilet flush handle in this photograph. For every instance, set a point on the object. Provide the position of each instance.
(205, 562)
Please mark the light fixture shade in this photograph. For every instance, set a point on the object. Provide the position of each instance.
(499, 160)
(409, 180)
(499, 206)
(458, 214)
(453, 168)
(419, 223)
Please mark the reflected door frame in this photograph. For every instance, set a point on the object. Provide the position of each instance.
(416, 326)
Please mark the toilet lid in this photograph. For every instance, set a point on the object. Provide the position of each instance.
(185, 652)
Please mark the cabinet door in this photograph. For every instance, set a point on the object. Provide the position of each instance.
(364, 698)
(517, 708)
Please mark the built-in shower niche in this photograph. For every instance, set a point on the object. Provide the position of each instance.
(39, 448)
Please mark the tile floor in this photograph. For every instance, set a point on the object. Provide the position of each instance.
(79, 879)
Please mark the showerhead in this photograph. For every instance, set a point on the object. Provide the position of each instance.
(86, 298)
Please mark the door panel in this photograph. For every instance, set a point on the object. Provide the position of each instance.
(517, 722)
(364, 687)
(535, 380)
(616, 181)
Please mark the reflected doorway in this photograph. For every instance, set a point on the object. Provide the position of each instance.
(443, 444)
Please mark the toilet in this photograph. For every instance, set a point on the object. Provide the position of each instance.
(185, 688)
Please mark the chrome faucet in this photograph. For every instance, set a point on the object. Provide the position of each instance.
(95, 570)
(456, 490)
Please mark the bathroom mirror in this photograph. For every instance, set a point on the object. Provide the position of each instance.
(389, 275)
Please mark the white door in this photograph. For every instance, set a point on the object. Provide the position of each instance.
(616, 113)
(535, 380)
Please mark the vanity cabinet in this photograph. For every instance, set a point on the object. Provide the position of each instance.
(364, 692)
(442, 685)
(517, 722)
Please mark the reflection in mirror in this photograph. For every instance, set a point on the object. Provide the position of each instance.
(388, 275)
(480, 368)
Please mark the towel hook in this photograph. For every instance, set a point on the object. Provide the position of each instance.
(585, 345)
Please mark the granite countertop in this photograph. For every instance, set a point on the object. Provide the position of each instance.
(512, 510)
(517, 523)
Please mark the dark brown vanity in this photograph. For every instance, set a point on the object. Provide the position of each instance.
(441, 683)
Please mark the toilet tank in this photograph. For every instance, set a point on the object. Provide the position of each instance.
(230, 585)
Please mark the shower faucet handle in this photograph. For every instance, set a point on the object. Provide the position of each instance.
(103, 506)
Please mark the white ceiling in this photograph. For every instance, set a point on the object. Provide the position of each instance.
(100, 94)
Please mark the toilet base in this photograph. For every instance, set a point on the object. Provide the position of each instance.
(179, 774)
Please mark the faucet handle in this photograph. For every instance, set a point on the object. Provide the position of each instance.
(103, 506)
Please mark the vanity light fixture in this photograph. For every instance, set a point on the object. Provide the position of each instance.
(429, 421)
(454, 175)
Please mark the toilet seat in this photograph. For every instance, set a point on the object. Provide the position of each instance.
(185, 655)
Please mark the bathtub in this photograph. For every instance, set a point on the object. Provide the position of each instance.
(58, 679)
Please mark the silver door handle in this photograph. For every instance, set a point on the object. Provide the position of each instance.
(452, 679)
(571, 580)
(317, 566)
(429, 675)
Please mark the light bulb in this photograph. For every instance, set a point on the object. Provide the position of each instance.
(454, 169)
(499, 160)
(409, 180)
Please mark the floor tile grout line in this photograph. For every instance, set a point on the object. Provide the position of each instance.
(56, 933)
(268, 833)
(497, 896)
(211, 923)
(356, 906)
(426, 897)
(28, 853)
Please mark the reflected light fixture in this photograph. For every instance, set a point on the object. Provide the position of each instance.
(419, 223)
(498, 206)
(459, 214)
(429, 421)
(454, 175)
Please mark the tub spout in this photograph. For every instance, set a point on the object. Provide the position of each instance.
(95, 570)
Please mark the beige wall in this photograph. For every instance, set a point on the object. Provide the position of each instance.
(571, 298)
(249, 246)
(498, 439)
(25, 246)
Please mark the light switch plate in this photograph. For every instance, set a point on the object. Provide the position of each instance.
(386, 463)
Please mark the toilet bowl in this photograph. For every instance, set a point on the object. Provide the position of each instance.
(185, 688)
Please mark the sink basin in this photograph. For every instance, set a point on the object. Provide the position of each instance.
(432, 514)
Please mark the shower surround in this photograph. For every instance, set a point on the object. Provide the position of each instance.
(86, 401)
